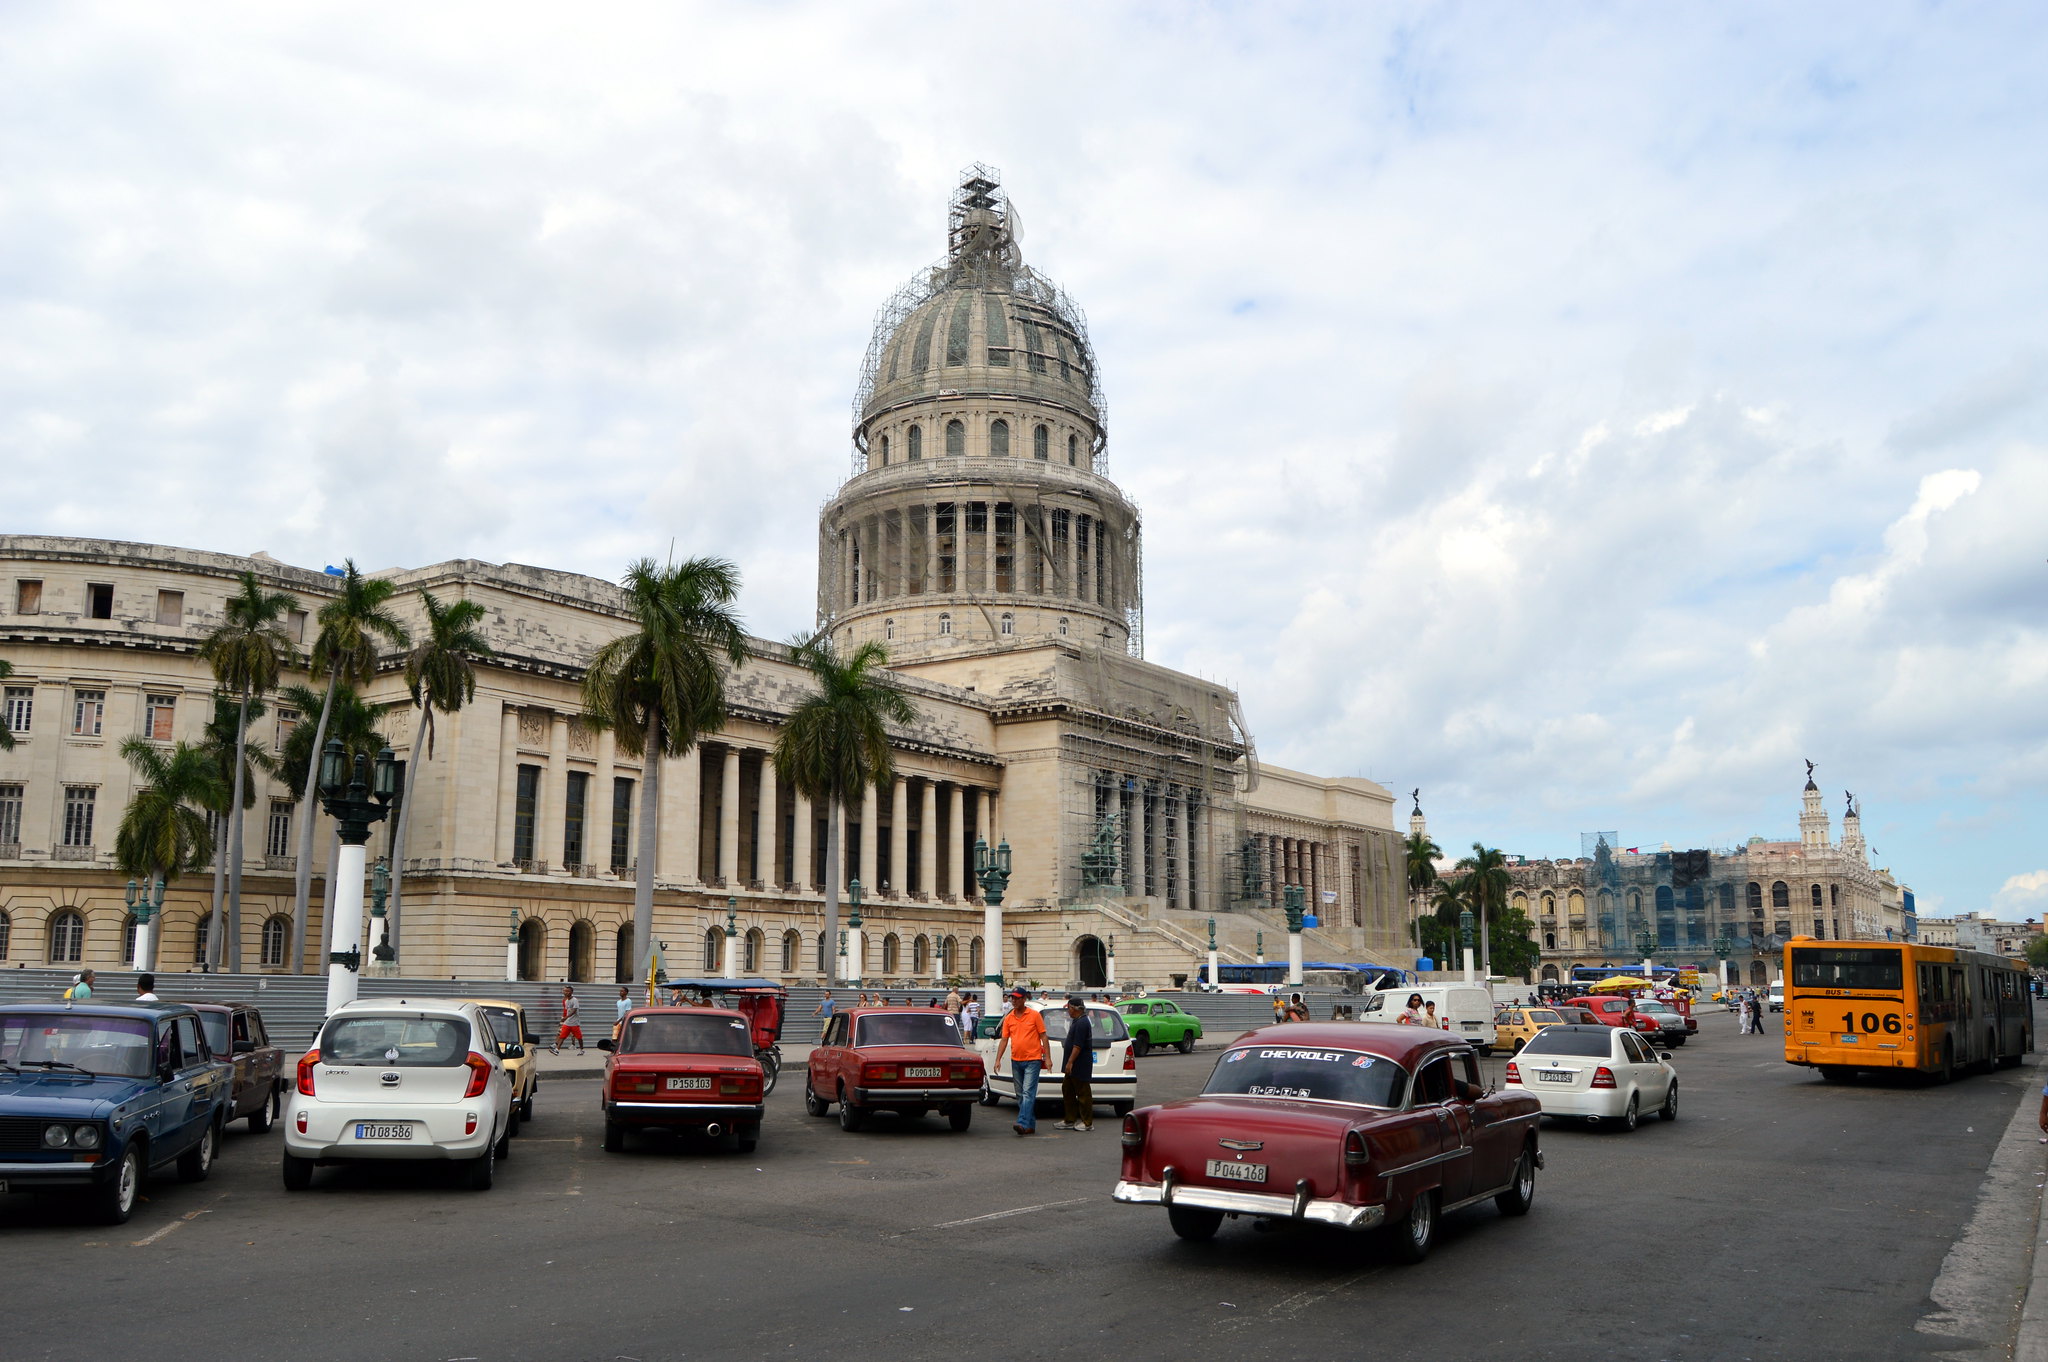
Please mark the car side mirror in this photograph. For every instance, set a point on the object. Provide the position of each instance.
(1663, 1054)
(607, 1044)
(245, 1047)
(512, 1051)
(531, 1039)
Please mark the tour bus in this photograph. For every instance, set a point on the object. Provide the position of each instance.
(1853, 1005)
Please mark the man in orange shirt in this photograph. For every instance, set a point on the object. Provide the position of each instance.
(1022, 1037)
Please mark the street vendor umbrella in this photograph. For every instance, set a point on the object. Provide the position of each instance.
(1620, 981)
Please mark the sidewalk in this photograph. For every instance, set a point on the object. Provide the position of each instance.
(590, 1064)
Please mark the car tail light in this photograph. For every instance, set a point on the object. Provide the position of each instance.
(1130, 1061)
(302, 1122)
(741, 1086)
(306, 1064)
(1603, 1077)
(961, 1076)
(1354, 1150)
(469, 1123)
(878, 1073)
(1514, 1073)
(1134, 1131)
(633, 1083)
(479, 1075)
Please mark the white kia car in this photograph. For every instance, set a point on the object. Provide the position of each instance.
(1116, 1068)
(1601, 1073)
(420, 1078)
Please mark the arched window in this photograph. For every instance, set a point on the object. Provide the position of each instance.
(1041, 441)
(533, 950)
(751, 961)
(1063, 626)
(892, 953)
(582, 952)
(6, 934)
(913, 442)
(1816, 896)
(624, 966)
(920, 955)
(949, 955)
(792, 947)
(1074, 450)
(889, 631)
(713, 940)
(1781, 897)
(276, 931)
(1008, 624)
(945, 626)
(67, 938)
(974, 954)
(1550, 941)
(1834, 901)
(1756, 897)
(1549, 975)
(956, 438)
(999, 439)
(200, 939)
(824, 961)
(885, 451)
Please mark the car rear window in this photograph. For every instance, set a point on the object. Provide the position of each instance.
(686, 1034)
(1544, 1018)
(117, 1046)
(910, 1028)
(504, 1025)
(1565, 1040)
(216, 1026)
(1108, 1026)
(406, 1042)
(1310, 1072)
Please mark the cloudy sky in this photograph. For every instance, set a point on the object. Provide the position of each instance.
(1582, 412)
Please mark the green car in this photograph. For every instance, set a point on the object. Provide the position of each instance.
(1155, 1022)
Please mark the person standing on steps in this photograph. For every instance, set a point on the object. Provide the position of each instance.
(1022, 1038)
(1077, 1070)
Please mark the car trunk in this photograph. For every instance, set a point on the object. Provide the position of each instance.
(1557, 1073)
(686, 1078)
(1294, 1141)
(394, 1061)
(918, 1066)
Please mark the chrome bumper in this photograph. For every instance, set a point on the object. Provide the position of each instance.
(1341, 1214)
(53, 1174)
(884, 1097)
(687, 1111)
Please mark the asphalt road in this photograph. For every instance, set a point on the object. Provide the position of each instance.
(1778, 1218)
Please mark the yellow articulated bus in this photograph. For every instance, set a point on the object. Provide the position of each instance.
(1853, 1005)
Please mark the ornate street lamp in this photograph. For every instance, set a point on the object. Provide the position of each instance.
(992, 868)
(145, 902)
(732, 935)
(856, 964)
(357, 799)
(1295, 897)
(1110, 942)
(1724, 947)
(1214, 982)
(1465, 923)
(512, 947)
(380, 888)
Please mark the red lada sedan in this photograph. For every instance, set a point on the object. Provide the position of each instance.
(687, 1069)
(1356, 1125)
(896, 1059)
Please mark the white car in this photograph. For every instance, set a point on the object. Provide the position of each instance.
(402, 1079)
(1602, 1073)
(1116, 1068)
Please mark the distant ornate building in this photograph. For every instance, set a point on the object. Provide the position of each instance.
(979, 538)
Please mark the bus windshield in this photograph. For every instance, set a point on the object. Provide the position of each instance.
(1850, 967)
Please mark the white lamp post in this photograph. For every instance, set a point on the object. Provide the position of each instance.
(992, 868)
(356, 801)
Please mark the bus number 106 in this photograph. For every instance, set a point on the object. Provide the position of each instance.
(1871, 1023)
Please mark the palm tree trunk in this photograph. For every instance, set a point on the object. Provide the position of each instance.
(220, 880)
(412, 773)
(232, 950)
(309, 814)
(1485, 941)
(643, 872)
(829, 966)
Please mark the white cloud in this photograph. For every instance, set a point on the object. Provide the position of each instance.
(2023, 894)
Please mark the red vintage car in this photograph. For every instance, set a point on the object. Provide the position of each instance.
(1356, 1125)
(687, 1069)
(1611, 1009)
(898, 1059)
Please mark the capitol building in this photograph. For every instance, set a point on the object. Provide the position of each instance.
(979, 537)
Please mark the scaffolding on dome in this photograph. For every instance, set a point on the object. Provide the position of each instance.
(1680, 902)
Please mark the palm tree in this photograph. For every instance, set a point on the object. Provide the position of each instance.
(246, 652)
(161, 833)
(354, 724)
(662, 687)
(1422, 854)
(836, 743)
(1487, 884)
(345, 650)
(439, 676)
(225, 737)
(6, 733)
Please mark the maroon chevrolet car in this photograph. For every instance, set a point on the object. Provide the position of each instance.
(1358, 1125)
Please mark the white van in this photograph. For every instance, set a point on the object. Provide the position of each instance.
(1776, 1000)
(1462, 1009)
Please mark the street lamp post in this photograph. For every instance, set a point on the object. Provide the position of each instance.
(1259, 947)
(146, 902)
(385, 954)
(1723, 948)
(1646, 942)
(1214, 982)
(856, 963)
(512, 949)
(357, 800)
(1295, 898)
(732, 935)
(992, 868)
(1110, 942)
(1465, 921)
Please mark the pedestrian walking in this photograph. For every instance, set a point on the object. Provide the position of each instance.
(1022, 1038)
(572, 1022)
(1077, 1070)
(81, 987)
(1756, 1014)
(825, 1006)
(624, 1005)
(970, 1016)
(145, 988)
(1741, 1001)
(1429, 1016)
(954, 1001)
(1412, 1014)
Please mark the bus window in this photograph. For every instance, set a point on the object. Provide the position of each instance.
(1847, 967)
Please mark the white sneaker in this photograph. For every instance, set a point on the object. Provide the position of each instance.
(1064, 1125)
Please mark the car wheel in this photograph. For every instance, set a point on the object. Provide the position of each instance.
(1141, 1044)
(503, 1149)
(511, 1124)
(851, 1116)
(1519, 1043)
(745, 1137)
(614, 1137)
(526, 1106)
(1669, 1111)
(1415, 1232)
(115, 1199)
(298, 1173)
(1192, 1223)
(1630, 1117)
(988, 1094)
(814, 1105)
(195, 1163)
(483, 1171)
(960, 1115)
(1186, 1045)
(260, 1119)
(1121, 1109)
(1517, 1199)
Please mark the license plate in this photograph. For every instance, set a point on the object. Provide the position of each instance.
(1556, 1075)
(922, 1071)
(1849, 1038)
(688, 1084)
(1233, 1171)
(379, 1130)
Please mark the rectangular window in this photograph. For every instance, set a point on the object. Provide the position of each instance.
(28, 597)
(295, 626)
(99, 600)
(10, 816)
(19, 709)
(1023, 953)
(88, 712)
(524, 809)
(622, 822)
(158, 712)
(170, 607)
(574, 804)
(277, 835)
(287, 724)
(1877, 969)
(78, 807)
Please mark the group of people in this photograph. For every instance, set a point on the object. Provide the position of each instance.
(965, 1006)
(1420, 1013)
(1749, 1013)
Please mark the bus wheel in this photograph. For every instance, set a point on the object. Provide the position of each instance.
(1946, 1073)
(1835, 1073)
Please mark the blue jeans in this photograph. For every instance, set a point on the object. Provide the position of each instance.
(1025, 1074)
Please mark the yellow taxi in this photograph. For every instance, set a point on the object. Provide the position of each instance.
(1514, 1026)
(508, 1026)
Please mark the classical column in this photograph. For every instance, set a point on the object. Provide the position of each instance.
(800, 843)
(508, 782)
(928, 842)
(554, 797)
(1149, 806)
(729, 820)
(680, 793)
(899, 839)
(1073, 539)
(870, 844)
(987, 824)
(769, 828)
(597, 811)
(988, 548)
(1183, 849)
(956, 878)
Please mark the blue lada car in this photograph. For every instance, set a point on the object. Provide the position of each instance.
(94, 1097)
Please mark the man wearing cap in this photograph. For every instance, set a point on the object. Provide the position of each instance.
(1077, 1070)
(1022, 1037)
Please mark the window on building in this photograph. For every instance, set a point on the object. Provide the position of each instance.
(129, 927)
(945, 626)
(79, 801)
(1063, 626)
(1781, 897)
(295, 626)
(1008, 624)
(28, 597)
(574, 807)
(1834, 896)
(88, 713)
(199, 939)
(287, 724)
(158, 712)
(20, 708)
(622, 822)
(956, 438)
(525, 807)
(998, 333)
(99, 600)
(920, 955)
(1816, 896)
(713, 938)
(1756, 897)
(1040, 440)
(999, 439)
(6, 934)
(67, 938)
(1074, 450)
(170, 607)
(792, 944)
(10, 816)
(913, 442)
(888, 631)
(276, 931)
(956, 333)
(277, 830)
(1023, 953)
